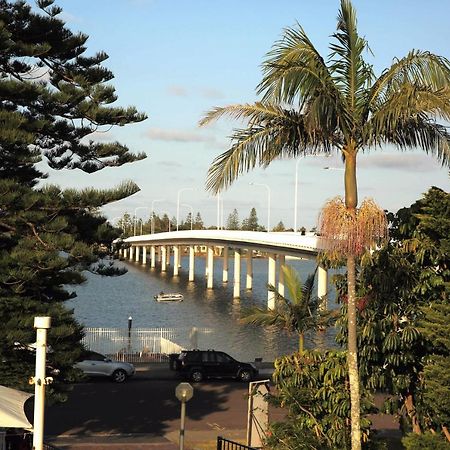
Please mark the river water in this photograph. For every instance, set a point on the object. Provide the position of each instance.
(109, 301)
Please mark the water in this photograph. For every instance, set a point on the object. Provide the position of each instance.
(109, 301)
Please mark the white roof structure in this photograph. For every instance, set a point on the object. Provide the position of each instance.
(12, 414)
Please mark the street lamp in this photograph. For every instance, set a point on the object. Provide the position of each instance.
(184, 392)
(178, 202)
(192, 212)
(152, 219)
(268, 202)
(296, 195)
(135, 211)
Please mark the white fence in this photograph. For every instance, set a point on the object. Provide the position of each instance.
(141, 344)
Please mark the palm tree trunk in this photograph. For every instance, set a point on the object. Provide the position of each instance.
(301, 344)
(352, 355)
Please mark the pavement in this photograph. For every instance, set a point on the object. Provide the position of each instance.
(143, 413)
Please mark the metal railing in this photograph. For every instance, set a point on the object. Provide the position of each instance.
(141, 344)
(226, 444)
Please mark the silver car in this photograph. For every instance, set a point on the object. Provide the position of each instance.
(97, 365)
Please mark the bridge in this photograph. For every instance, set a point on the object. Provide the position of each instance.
(218, 244)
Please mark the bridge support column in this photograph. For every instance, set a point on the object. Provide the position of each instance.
(281, 263)
(225, 265)
(322, 287)
(168, 251)
(272, 265)
(136, 256)
(152, 256)
(249, 277)
(237, 274)
(176, 257)
(210, 265)
(191, 262)
(144, 255)
(163, 258)
(131, 253)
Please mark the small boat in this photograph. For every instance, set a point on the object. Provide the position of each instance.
(169, 297)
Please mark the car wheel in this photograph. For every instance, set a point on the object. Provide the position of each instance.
(119, 376)
(196, 376)
(245, 375)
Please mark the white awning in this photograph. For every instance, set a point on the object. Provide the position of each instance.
(12, 414)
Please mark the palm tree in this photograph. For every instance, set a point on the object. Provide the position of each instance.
(311, 105)
(299, 314)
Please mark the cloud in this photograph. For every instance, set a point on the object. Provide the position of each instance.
(211, 93)
(159, 134)
(413, 162)
(177, 91)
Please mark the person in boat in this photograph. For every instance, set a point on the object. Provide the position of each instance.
(161, 293)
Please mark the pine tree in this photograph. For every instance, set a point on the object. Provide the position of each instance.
(198, 222)
(233, 220)
(251, 223)
(52, 97)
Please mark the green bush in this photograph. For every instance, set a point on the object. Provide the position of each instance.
(426, 441)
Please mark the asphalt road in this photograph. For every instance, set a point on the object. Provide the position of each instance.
(145, 405)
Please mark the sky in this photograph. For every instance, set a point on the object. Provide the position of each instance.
(177, 59)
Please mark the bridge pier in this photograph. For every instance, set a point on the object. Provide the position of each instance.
(281, 263)
(249, 276)
(237, 274)
(138, 249)
(322, 287)
(176, 260)
(271, 279)
(191, 263)
(144, 255)
(131, 253)
(163, 258)
(225, 265)
(152, 256)
(210, 267)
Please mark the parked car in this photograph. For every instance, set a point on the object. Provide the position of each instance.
(95, 364)
(200, 364)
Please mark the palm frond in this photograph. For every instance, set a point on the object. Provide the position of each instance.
(272, 133)
(294, 69)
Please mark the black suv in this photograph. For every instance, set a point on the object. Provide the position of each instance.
(200, 364)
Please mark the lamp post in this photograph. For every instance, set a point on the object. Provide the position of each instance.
(192, 212)
(296, 195)
(134, 218)
(178, 202)
(152, 219)
(42, 324)
(184, 392)
(268, 202)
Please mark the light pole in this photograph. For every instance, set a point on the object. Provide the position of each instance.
(268, 202)
(152, 219)
(134, 221)
(184, 392)
(178, 202)
(296, 195)
(42, 324)
(192, 212)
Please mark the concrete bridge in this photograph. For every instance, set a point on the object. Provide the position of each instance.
(218, 244)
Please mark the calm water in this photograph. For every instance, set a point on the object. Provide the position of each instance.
(109, 301)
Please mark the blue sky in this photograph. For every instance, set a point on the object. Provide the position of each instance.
(174, 60)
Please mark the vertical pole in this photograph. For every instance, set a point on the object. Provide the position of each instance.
(191, 263)
(282, 262)
(182, 420)
(225, 265)
(271, 280)
(42, 324)
(237, 274)
(210, 256)
(249, 277)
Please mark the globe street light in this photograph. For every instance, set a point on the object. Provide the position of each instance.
(184, 392)
(178, 202)
(152, 219)
(192, 212)
(135, 211)
(268, 202)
